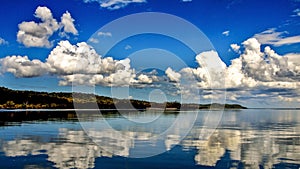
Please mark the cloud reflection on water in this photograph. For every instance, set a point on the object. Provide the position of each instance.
(252, 140)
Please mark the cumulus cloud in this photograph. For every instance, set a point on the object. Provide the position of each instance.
(235, 47)
(21, 66)
(77, 64)
(81, 64)
(114, 4)
(33, 34)
(293, 58)
(266, 67)
(271, 37)
(66, 58)
(226, 33)
(3, 41)
(172, 75)
(67, 23)
(255, 69)
(144, 79)
(209, 74)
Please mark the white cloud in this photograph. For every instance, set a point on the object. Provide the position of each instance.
(209, 75)
(187, 0)
(235, 47)
(81, 64)
(254, 69)
(258, 70)
(66, 58)
(172, 75)
(21, 66)
(210, 70)
(226, 33)
(3, 41)
(33, 34)
(78, 64)
(67, 23)
(271, 37)
(107, 34)
(114, 4)
(293, 58)
(144, 79)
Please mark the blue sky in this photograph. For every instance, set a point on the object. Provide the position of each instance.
(223, 22)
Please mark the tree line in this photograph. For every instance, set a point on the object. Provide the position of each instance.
(17, 99)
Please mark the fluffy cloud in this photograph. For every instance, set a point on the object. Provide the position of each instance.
(3, 41)
(209, 74)
(293, 59)
(33, 34)
(235, 47)
(265, 68)
(144, 79)
(172, 75)
(66, 58)
(67, 22)
(271, 37)
(256, 70)
(114, 4)
(81, 64)
(21, 66)
(77, 64)
(226, 33)
(262, 68)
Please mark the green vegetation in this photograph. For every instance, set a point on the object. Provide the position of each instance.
(15, 99)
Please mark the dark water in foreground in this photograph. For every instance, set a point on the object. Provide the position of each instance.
(259, 138)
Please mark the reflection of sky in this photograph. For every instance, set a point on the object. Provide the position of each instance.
(249, 137)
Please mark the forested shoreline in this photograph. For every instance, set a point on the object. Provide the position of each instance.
(17, 99)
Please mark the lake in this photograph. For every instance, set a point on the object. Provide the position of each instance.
(251, 138)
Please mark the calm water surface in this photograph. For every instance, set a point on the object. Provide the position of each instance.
(258, 138)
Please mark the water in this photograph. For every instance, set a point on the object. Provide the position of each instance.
(260, 138)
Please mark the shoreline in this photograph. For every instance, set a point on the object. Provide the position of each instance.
(167, 110)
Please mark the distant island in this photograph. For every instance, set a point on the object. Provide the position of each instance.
(16, 99)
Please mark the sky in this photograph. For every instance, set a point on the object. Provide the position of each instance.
(177, 50)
